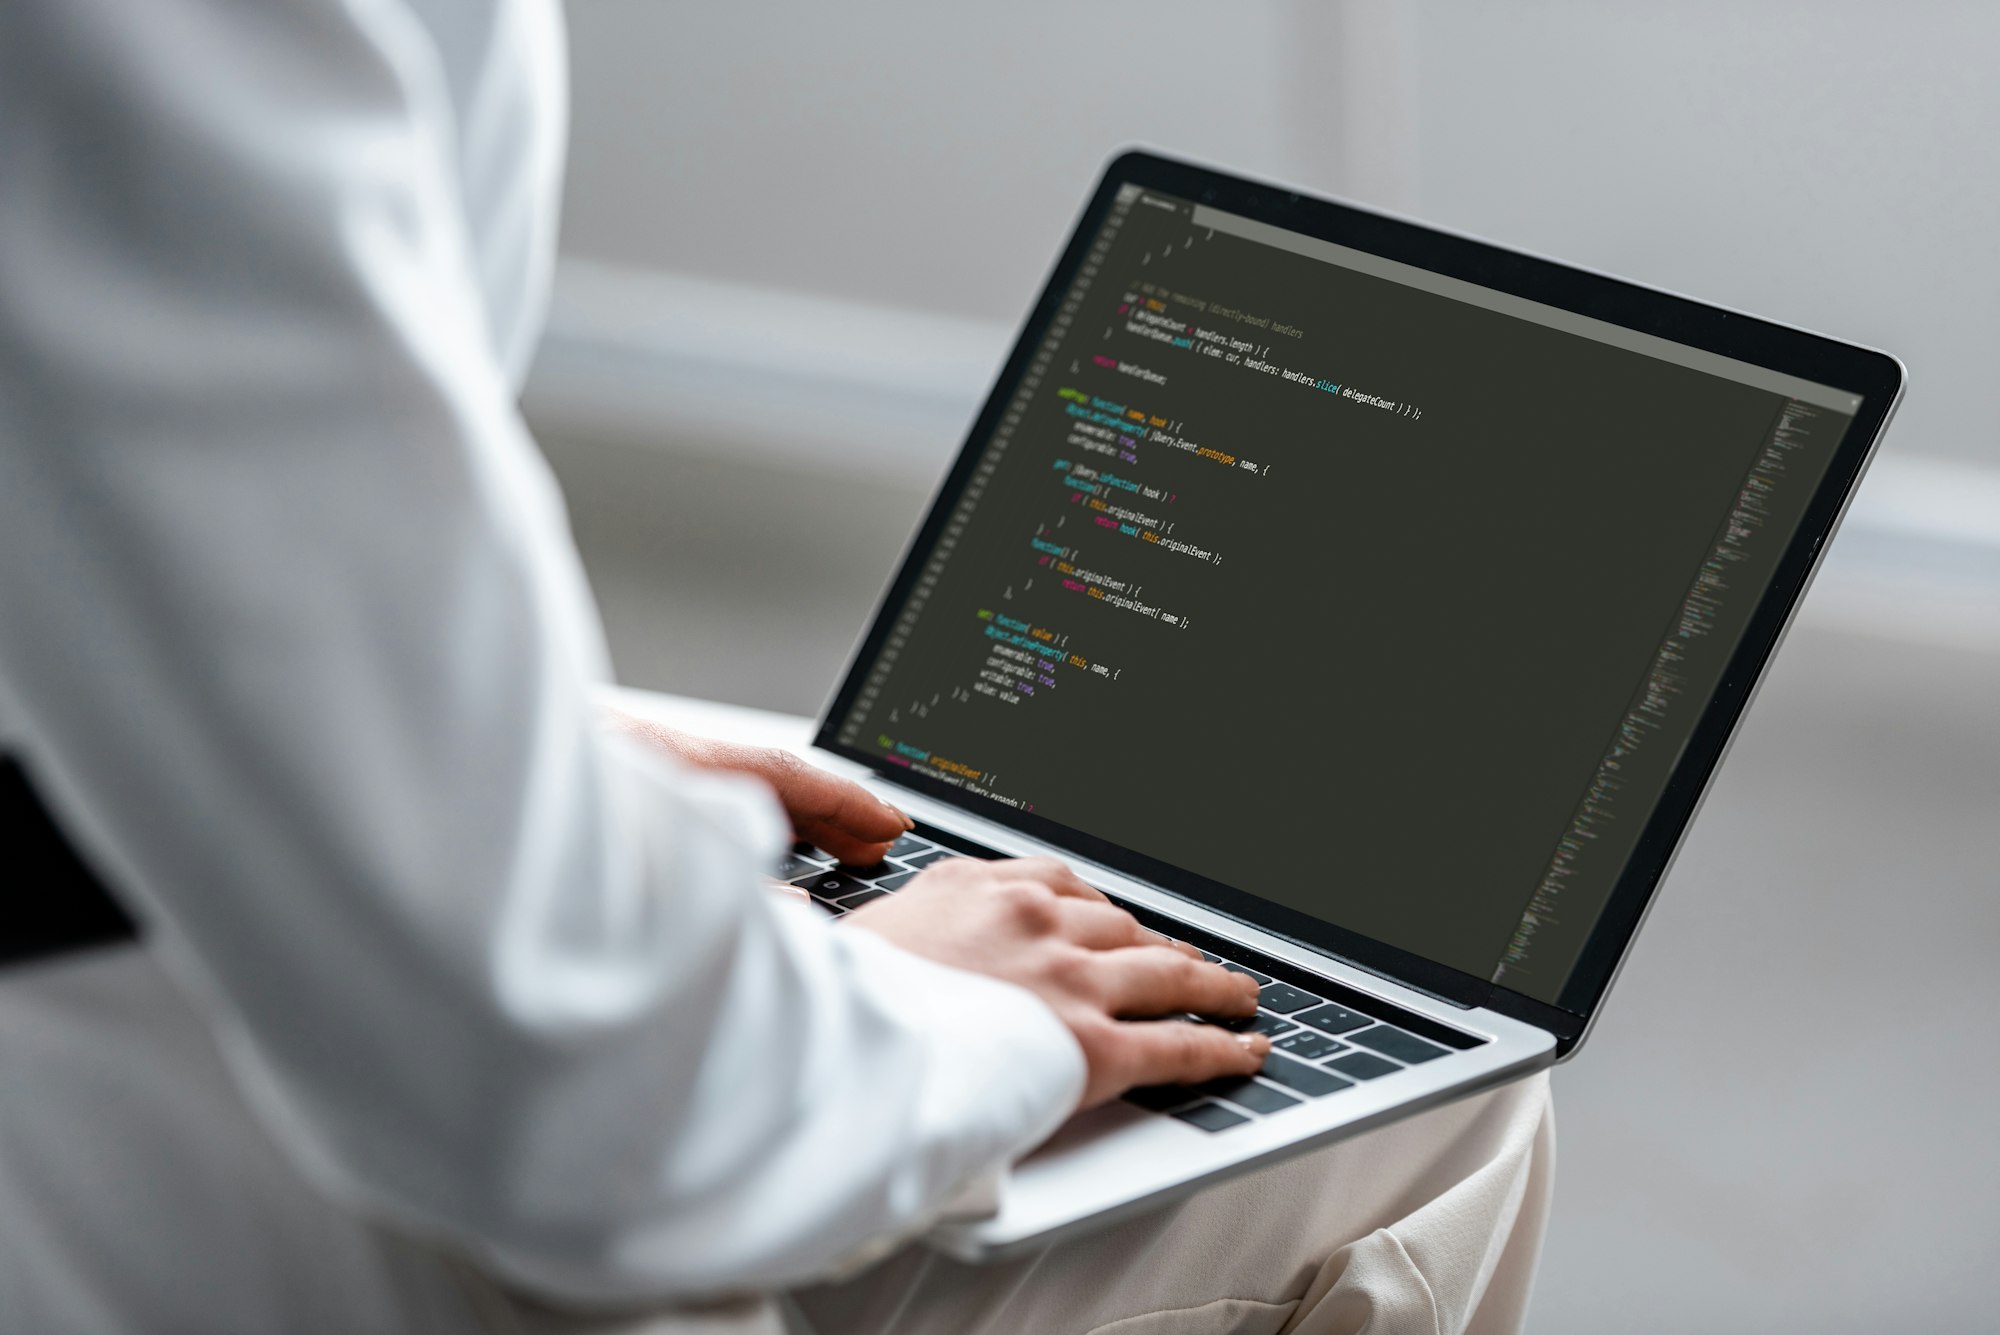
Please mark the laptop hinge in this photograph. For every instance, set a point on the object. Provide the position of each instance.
(1473, 996)
(1436, 981)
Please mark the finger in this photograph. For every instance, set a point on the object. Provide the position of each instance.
(790, 895)
(1057, 875)
(834, 813)
(1180, 947)
(957, 868)
(837, 814)
(1101, 926)
(846, 849)
(1174, 1052)
(1155, 980)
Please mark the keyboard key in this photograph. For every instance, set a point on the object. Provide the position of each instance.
(1308, 1045)
(1160, 1098)
(926, 857)
(1211, 1117)
(794, 866)
(1284, 998)
(1363, 1066)
(1252, 1094)
(829, 885)
(802, 849)
(873, 872)
(1267, 1023)
(1307, 1080)
(1333, 1019)
(896, 882)
(907, 844)
(856, 901)
(1394, 1042)
(1233, 967)
(1212, 959)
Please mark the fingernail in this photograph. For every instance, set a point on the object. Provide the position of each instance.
(1256, 1044)
(908, 824)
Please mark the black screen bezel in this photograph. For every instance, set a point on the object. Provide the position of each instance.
(1874, 376)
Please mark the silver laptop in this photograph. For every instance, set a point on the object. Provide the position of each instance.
(1364, 604)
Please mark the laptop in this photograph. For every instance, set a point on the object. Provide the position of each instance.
(1364, 604)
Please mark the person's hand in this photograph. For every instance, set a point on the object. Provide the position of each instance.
(826, 810)
(1035, 923)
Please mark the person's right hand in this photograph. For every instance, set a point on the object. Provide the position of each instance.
(1033, 922)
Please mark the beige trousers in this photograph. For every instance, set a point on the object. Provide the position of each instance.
(137, 1193)
(1433, 1224)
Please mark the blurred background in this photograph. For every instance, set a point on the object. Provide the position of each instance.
(797, 238)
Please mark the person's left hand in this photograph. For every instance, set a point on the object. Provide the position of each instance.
(826, 810)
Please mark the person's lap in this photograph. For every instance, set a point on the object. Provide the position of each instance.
(143, 1195)
(1411, 1227)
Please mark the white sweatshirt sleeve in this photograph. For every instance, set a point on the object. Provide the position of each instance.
(293, 635)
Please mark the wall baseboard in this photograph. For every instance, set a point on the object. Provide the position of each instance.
(770, 377)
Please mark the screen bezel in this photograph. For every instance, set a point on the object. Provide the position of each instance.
(1874, 376)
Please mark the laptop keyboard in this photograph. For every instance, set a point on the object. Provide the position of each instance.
(1320, 1047)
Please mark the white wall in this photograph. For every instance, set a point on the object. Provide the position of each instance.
(920, 155)
(1830, 164)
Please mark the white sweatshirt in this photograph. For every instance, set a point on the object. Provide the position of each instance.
(294, 638)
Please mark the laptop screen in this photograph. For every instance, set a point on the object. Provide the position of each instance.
(1374, 594)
